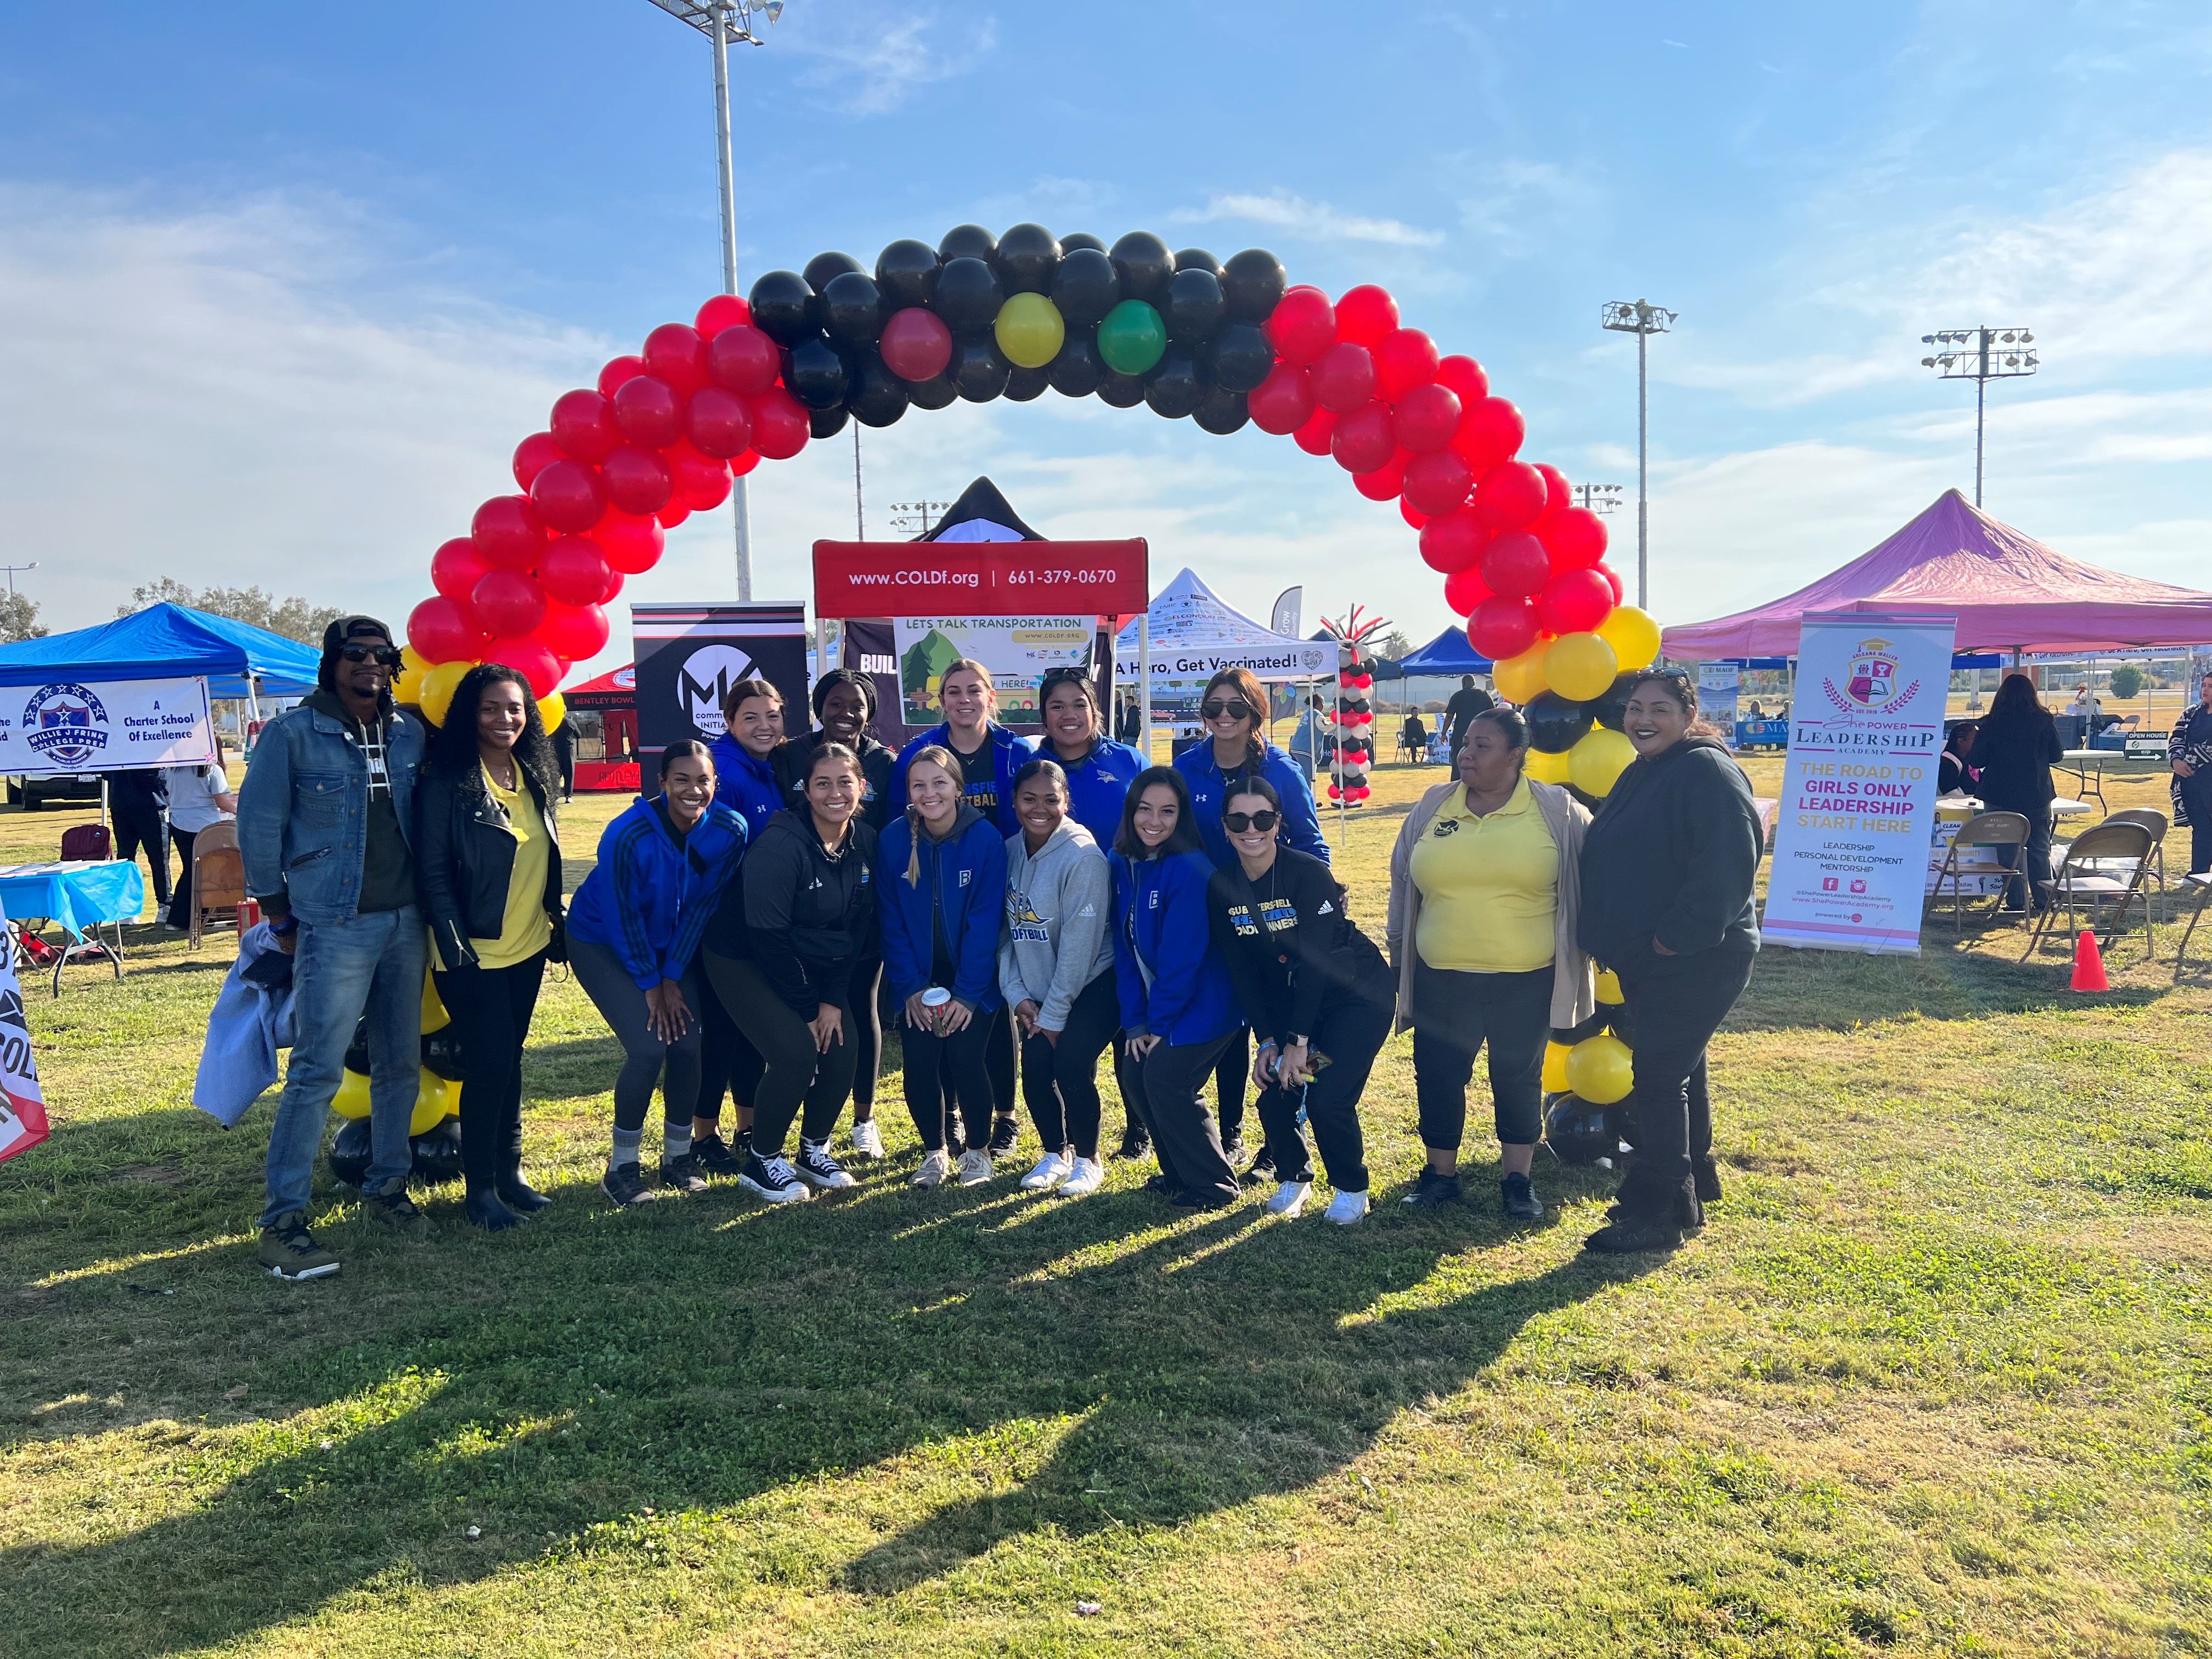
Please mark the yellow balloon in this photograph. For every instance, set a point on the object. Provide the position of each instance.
(1595, 763)
(1029, 330)
(438, 687)
(1608, 986)
(352, 1097)
(1633, 636)
(434, 1017)
(1600, 1069)
(1548, 767)
(552, 708)
(434, 1101)
(1579, 666)
(1520, 678)
(407, 685)
(1555, 1068)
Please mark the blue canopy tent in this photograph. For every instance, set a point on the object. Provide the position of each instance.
(166, 641)
(1447, 654)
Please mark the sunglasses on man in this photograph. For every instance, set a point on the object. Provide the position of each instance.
(384, 656)
(1236, 707)
(1237, 823)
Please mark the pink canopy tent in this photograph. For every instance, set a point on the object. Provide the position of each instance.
(2009, 592)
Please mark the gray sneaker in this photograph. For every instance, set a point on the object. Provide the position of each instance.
(396, 1211)
(288, 1250)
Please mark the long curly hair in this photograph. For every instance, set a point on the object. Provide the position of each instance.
(453, 747)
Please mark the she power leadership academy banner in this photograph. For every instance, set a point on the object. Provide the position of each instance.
(1858, 789)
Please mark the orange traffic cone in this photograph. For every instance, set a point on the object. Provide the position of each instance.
(2089, 963)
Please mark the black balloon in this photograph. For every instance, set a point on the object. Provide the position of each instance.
(1081, 238)
(1195, 308)
(1555, 725)
(817, 375)
(853, 308)
(1084, 288)
(905, 272)
(1121, 391)
(1583, 1033)
(822, 267)
(1221, 412)
(967, 295)
(781, 305)
(1240, 357)
(967, 242)
(932, 393)
(1174, 388)
(1078, 371)
(1581, 1132)
(1025, 384)
(1611, 706)
(1027, 254)
(1252, 282)
(1146, 267)
(878, 397)
(979, 369)
(1196, 258)
(826, 422)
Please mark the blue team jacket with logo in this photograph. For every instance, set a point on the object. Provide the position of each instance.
(962, 878)
(1172, 981)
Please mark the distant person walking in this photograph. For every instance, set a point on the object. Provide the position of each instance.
(1465, 704)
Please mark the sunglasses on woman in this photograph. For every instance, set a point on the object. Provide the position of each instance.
(385, 656)
(1236, 708)
(1237, 823)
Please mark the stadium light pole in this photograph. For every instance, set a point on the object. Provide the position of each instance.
(726, 23)
(1980, 355)
(1643, 319)
(11, 570)
(1597, 497)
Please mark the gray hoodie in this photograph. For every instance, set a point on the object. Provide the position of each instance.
(1057, 938)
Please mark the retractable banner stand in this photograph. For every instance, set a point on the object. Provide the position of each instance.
(1858, 789)
(22, 1107)
(689, 656)
(104, 725)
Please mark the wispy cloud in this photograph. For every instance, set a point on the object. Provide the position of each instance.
(872, 64)
(1312, 221)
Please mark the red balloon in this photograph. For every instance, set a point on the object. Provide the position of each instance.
(723, 311)
(584, 427)
(744, 359)
(531, 658)
(1407, 358)
(674, 352)
(649, 411)
(718, 422)
(1428, 418)
(673, 514)
(1438, 481)
(781, 424)
(1464, 590)
(1301, 326)
(1510, 495)
(741, 464)
(507, 602)
(1412, 514)
(1344, 377)
(1283, 402)
(1573, 602)
(617, 370)
(1575, 538)
(1515, 564)
(1365, 315)
(455, 567)
(1365, 438)
(613, 589)
(1464, 377)
(700, 481)
(1453, 541)
(533, 456)
(443, 630)
(1384, 482)
(1491, 430)
(573, 570)
(1503, 626)
(507, 530)
(631, 542)
(567, 496)
(1559, 494)
(916, 344)
(1612, 579)
(574, 631)
(636, 480)
(1313, 436)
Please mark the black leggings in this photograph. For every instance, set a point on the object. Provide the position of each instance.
(727, 1061)
(1453, 1014)
(1060, 1080)
(797, 1072)
(940, 1070)
(180, 899)
(645, 1056)
(1350, 1034)
(1166, 1087)
(1675, 1006)
(492, 1009)
(144, 826)
(1232, 1075)
(868, 1033)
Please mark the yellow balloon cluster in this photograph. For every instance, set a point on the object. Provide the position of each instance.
(1580, 667)
(1547, 768)
(552, 710)
(1029, 330)
(1555, 1068)
(1518, 679)
(1633, 636)
(434, 692)
(1600, 1069)
(407, 683)
(1608, 987)
(1596, 761)
(436, 1099)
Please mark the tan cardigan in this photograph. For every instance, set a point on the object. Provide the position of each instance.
(1573, 998)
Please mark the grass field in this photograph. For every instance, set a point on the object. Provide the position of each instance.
(1936, 1379)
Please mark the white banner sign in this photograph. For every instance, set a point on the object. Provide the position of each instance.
(22, 1106)
(1019, 651)
(104, 725)
(1858, 790)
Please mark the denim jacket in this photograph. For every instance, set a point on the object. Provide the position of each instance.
(303, 810)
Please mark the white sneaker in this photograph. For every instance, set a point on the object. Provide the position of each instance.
(934, 1168)
(1051, 1170)
(772, 1180)
(1289, 1199)
(974, 1168)
(1347, 1207)
(817, 1169)
(867, 1140)
(1089, 1175)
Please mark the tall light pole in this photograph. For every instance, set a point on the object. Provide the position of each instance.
(1597, 497)
(1980, 355)
(11, 570)
(726, 23)
(1643, 319)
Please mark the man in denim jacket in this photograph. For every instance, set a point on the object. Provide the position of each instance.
(324, 818)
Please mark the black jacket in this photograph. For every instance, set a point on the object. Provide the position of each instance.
(787, 761)
(1671, 855)
(140, 789)
(800, 913)
(464, 861)
(2016, 752)
(1301, 953)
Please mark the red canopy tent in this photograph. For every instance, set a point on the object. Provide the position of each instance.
(613, 698)
(2008, 590)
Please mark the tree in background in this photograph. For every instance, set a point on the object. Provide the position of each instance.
(19, 618)
(1395, 644)
(294, 618)
(2127, 682)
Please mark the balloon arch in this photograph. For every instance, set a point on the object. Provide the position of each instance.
(979, 317)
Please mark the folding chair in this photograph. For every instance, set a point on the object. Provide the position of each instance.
(2157, 823)
(85, 843)
(2091, 873)
(217, 875)
(1992, 830)
(2200, 882)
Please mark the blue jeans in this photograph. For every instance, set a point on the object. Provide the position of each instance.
(372, 965)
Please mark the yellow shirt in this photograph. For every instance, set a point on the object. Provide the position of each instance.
(526, 929)
(1489, 886)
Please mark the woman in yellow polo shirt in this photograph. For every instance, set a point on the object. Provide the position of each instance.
(487, 876)
(1483, 886)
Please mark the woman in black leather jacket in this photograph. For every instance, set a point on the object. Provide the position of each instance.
(488, 877)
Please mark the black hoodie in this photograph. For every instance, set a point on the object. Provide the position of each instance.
(1671, 855)
(801, 912)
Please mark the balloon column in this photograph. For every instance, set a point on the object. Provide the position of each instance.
(1348, 728)
(1589, 1079)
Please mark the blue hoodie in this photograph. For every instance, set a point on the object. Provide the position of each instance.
(745, 783)
(647, 899)
(1209, 794)
(995, 799)
(1163, 932)
(1098, 784)
(964, 877)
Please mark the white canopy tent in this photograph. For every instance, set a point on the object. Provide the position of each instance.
(1194, 633)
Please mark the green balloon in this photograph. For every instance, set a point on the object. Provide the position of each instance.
(1132, 337)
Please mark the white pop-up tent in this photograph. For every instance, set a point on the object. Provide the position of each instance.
(1196, 633)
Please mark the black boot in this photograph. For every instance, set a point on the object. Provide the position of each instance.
(487, 1212)
(1652, 1214)
(1135, 1142)
(1707, 1175)
(518, 1195)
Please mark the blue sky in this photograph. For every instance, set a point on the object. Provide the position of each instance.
(278, 305)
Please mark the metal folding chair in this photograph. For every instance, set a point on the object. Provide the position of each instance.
(2200, 882)
(2103, 865)
(2157, 823)
(1983, 829)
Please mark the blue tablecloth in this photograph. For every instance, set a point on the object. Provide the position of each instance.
(76, 895)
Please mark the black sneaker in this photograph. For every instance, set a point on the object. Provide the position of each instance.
(394, 1209)
(625, 1184)
(773, 1180)
(288, 1250)
(1006, 1135)
(1262, 1170)
(1160, 1187)
(1520, 1201)
(1135, 1143)
(1433, 1188)
(817, 1169)
(681, 1174)
(1235, 1150)
(714, 1157)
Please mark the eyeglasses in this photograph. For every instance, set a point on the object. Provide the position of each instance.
(385, 655)
(1056, 677)
(1236, 708)
(1237, 823)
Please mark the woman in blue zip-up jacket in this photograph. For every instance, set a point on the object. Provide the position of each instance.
(1099, 770)
(941, 900)
(1177, 1005)
(634, 933)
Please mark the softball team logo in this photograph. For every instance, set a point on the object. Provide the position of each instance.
(66, 724)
